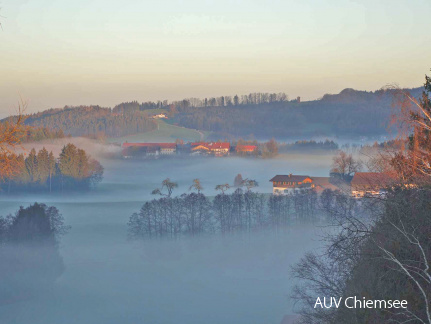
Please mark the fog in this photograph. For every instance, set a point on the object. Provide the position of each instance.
(95, 148)
(241, 278)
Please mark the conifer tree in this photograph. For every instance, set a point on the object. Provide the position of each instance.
(31, 166)
(51, 169)
(68, 163)
(83, 165)
(42, 166)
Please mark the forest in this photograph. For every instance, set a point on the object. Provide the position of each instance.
(304, 145)
(90, 121)
(349, 113)
(256, 115)
(42, 171)
(242, 210)
(35, 134)
(265, 115)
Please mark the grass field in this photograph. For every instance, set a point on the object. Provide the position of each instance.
(165, 133)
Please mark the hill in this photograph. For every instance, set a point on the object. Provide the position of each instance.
(92, 121)
(349, 113)
(165, 133)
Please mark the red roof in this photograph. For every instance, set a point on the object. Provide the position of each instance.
(161, 145)
(213, 146)
(246, 148)
(289, 178)
(372, 179)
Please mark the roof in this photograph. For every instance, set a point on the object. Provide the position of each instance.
(372, 179)
(247, 148)
(213, 146)
(290, 177)
(322, 183)
(200, 147)
(161, 145)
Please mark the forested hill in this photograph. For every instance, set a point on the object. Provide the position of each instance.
(260, 115)
(349, 113)
(91, 121)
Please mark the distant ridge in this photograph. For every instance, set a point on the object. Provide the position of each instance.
(257, 115)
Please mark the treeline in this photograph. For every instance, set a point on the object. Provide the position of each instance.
(243, 210)
(266, 150)
(29, 254)
(35, 134)
(308, 145)
(91, 121)
(255, 98)
(42, 171)
(263, 115)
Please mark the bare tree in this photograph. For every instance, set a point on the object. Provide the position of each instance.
(222, 187)
(196, 186)
(168, 185)
(417, 269)
(345, 165)
(413, 119)
(250, 184)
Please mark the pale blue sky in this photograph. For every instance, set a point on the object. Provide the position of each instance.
(57, 52)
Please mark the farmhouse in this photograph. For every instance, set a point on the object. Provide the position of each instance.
(287, 183)
(246, 149)
(283, 184)
(363, 183)
(217, 149)
(370, 183)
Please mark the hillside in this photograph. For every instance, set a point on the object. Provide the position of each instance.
(92, 121)
(349, 113)
(164, 133)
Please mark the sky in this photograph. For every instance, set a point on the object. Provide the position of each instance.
(56, 52)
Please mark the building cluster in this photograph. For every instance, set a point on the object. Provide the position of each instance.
(362, 184)
(284, 184)
(139, 150)
(371, 183)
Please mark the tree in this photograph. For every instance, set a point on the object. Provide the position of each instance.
(82, 164)
(196, 186)
(414, 119)
(197, 213)
(68, 162)
(31, 166)
(222, 187)
(43, 167)
(250, 183)
(96, 172)
(11, 133)
(29, 250)
(270, 149)
(344, 165)
(51, 168)
(168, 185)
